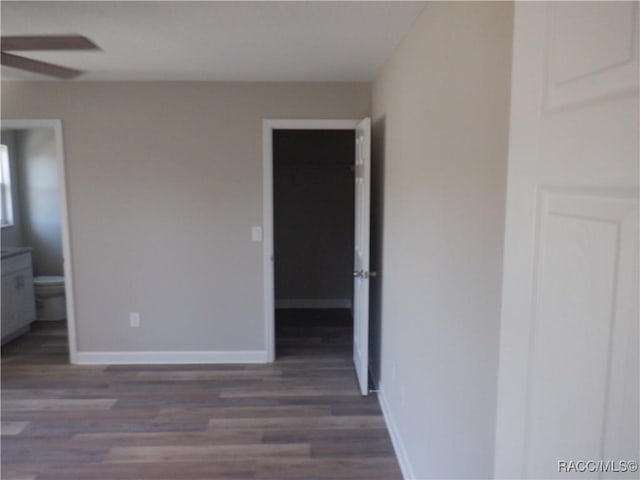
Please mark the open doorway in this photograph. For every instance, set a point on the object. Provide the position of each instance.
(36, 273)
(313, 217)
(359, 133)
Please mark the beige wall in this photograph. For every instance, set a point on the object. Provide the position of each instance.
(164, 183)
(440, 113)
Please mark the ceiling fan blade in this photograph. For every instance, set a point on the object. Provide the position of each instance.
(36, 66)
(47, 42)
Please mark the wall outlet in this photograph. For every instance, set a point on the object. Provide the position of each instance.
(402, 396)
(393, 375)
(134, 319)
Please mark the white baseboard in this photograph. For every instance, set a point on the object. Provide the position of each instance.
(313, 303)
(396, 440)
(111, 358)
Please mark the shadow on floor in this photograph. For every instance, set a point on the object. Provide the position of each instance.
(308, 332)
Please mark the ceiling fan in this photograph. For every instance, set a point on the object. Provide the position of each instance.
(43, 42)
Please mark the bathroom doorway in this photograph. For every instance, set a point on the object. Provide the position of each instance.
(35, 225)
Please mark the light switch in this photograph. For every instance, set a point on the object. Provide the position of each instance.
(256, 234)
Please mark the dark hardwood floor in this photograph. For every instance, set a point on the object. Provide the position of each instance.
(298, 418)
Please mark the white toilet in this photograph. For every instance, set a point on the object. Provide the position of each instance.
(50, 298)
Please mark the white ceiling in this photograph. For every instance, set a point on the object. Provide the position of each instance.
(216, 41)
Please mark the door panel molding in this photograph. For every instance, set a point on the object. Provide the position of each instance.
(572, 79)
(576, 226)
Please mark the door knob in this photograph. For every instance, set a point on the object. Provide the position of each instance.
(364, 274)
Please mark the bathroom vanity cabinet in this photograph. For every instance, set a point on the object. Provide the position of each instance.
(18, 300)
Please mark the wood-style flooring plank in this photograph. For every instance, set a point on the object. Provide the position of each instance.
(242, 412)
(59, 404)
(8, 428)
(331, 469)
(207, 470)
(218, 437)
(299, 423)
(199, 453)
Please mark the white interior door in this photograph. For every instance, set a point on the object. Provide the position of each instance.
(361, 272)
(568, 382)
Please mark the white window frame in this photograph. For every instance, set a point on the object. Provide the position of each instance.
(6, 192)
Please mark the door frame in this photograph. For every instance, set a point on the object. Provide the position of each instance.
(56, 125)
(268, 126)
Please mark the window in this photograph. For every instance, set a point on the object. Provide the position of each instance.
(6, 206)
